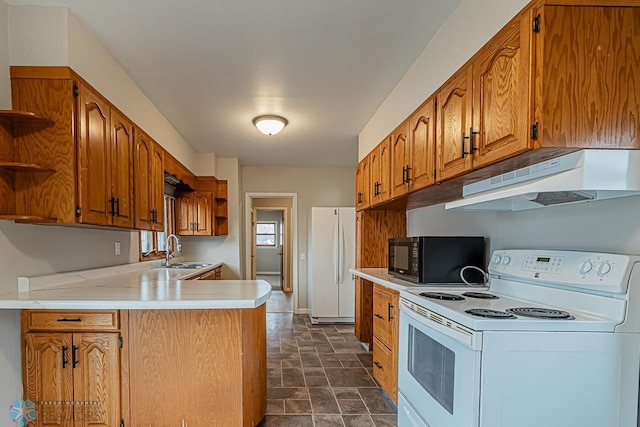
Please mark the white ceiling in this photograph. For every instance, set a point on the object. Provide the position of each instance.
(212, 66)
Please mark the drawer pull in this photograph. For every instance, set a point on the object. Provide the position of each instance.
(378, 364)
(390, 308)
(379, 316)
(64, 319)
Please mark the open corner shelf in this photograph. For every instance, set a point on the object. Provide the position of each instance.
(25, 167)
(24, 117)
(29, 219)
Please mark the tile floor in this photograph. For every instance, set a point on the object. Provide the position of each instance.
(320, 376)
(280, 302)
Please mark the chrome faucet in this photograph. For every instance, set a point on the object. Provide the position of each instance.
(169, 253)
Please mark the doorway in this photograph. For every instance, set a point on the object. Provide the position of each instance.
(271, 245)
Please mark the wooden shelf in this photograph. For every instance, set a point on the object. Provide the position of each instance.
(24, 117)
(24, 167)
(29, 219)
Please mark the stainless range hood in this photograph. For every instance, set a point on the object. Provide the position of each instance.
(582, 176)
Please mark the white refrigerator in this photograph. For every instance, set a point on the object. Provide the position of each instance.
(332, 252)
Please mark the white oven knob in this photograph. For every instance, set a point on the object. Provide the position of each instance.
(585, 267)
(604, 268)
(496, 259)
(506, 260)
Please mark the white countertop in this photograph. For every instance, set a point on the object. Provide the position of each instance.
(382, 277)
(135, 286)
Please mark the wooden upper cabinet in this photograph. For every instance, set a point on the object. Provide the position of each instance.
(380, 163)
(503, 90)
(122, 169)
(94, 169)
(400, 159)
(149, 183)
(363, 182)
(454, 126)
(587, 90)
(422, 146)
(195, 215)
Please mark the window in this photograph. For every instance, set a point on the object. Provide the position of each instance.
(153, 243)
(266, 233)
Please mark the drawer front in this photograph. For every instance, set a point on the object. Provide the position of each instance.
(71, 320)
(382, 309)
(383, 366)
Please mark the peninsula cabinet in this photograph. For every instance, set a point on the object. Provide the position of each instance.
(197, 367)
(363, 183)
(149, 183)
(380, 163)
(71, 367)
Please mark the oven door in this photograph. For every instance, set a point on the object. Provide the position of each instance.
(438, 370)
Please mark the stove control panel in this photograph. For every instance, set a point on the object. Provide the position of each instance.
(590, 270)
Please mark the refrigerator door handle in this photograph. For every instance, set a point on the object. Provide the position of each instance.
(341, 258)
(336, 252)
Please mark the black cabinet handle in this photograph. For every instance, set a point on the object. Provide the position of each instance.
(379, 316)
(408, 174)
(112, 201)
(74, 355)
(359, 197)
(64, 319)
(389, 316)
(118, 206)
(64, 357)
(404, 174)
(470, 138)
(379, 365)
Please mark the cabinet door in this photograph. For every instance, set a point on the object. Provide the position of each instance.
(363, 181)
(121, 169)
(142, 177)
(96, 379)
(383, 319)
(184, 216)
(453, 119)
(157, 187)
(422, 143)
(374, 181)
(502, 100)
(49, 378)
(399, 159)
(202, 213)
(94, 170)
(384, 175)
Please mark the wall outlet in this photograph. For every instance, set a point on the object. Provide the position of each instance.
(303, 256)
(117, 248)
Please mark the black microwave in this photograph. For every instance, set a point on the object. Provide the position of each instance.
(436, 259)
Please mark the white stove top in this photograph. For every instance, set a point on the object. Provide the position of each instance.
(594, 294)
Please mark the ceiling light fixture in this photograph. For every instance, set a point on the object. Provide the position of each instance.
(270, 125)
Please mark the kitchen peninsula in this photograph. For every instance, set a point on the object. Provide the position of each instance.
(146, 346)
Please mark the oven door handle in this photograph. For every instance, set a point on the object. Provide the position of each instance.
(466, 336)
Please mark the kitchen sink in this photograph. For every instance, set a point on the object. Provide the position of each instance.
(186, 265)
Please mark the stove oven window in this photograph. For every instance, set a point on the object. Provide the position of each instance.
(432, 365)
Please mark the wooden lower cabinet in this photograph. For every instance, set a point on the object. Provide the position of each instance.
(215, 274)
(385, 339)
(201, 368)
(363, 325)
(73, 377)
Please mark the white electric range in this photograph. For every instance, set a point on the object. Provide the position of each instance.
(554, 342)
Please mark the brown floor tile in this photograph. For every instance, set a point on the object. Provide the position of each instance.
(310, 360)
(317, 381)
(349, 377)
(332, 363)
(352, 406)
(377, 401)
(292, 377)
(357, 421)
(347, 347)
(287, 421)
(297, 406)
(346, 393)
(366, 359)
(287, 393)
(275, 406)
(323, 401)
(351, 363)
(328, 421)
(385, 420)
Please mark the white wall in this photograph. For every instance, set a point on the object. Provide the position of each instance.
(223, 248)
(471, 25)
(315, 187)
